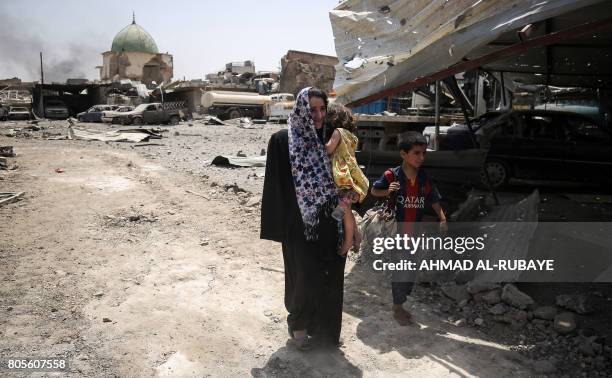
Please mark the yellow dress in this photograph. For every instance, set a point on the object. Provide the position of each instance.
(347, 174)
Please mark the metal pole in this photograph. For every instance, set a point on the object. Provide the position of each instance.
(42, 75)
(503, 89)
(437, 107)
(41, 106)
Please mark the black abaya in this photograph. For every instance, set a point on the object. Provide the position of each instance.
(314, 272)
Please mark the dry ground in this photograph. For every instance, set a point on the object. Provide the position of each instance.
(115, 266)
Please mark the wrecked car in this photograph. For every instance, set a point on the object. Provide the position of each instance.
(548, 145)
(377, 152)
(94, 114)
(19, 113)
(112, 116)
(154, 113)
(536, 145)
(280, 107)
(56, 109)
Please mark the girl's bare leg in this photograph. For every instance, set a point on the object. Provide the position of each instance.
(348, 220)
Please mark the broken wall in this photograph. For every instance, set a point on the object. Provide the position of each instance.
(302, 69)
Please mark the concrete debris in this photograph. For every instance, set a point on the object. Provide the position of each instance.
(7, 151)
(492, 297)
(565, 323)
(579, 303)
(498, 309)
(587, 348)
(456, 292)
(474, 287)
(544, 367)
(516, 298)
(253, 201)
(545, 313)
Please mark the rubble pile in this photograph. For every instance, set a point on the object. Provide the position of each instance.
(550, 336)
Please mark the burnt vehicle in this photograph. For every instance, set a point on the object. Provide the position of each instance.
(94, 114)
(112, 116)
(538, 145)
(56, 109)
(457, 136)
(19, 113)
(377, 151)
(153, 113)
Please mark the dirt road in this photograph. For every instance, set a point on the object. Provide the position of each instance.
(114, 265)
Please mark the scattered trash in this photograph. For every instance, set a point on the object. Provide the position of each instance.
(149, 144)
(231, 161)
(244, 123)
(234, 187)
(197, 194)
(124, 220)
(7, 151)
(123, 135)
(10, 197)
(210, 120)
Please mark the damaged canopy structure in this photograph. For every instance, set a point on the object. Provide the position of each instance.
(385, 47)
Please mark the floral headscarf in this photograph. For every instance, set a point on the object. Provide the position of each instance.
(310, 167)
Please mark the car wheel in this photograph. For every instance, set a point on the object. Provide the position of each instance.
(499, 173)
(125, 121)
(137, 121)
(174, 120)
(234, 113)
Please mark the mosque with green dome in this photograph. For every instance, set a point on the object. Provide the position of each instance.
(134, 55)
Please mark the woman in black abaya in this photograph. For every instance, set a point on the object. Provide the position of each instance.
(298, 198)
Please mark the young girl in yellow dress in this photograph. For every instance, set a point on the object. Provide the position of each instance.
(349, 179)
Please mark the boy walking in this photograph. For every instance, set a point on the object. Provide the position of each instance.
(414, 191)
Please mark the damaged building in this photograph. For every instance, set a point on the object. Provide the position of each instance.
(302, 69)
(134, 55)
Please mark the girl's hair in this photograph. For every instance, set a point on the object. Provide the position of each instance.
(316, 92)
(341, 116)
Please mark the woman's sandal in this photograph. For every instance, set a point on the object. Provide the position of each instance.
(303, 344)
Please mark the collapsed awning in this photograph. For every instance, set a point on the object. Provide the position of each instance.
(383, 45)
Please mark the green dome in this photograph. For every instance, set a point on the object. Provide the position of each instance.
(134, 38)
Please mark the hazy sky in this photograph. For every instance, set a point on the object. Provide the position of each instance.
(202, 35)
